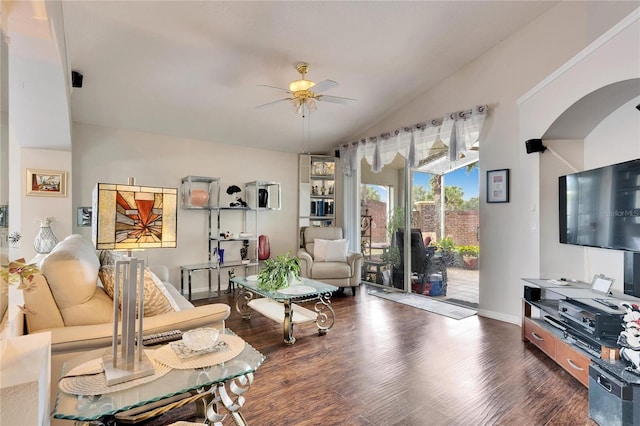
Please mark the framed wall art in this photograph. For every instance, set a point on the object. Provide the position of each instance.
(498, 186)
(84, 216)
(4, 216)
(47, 183)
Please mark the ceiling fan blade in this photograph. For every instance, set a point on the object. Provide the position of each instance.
(336, 99)
(271, 103)
(274, 87)
(323, 86)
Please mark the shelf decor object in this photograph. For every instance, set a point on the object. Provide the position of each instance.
(46, 240)
(131, 217)
(199, 192)
(263, 195)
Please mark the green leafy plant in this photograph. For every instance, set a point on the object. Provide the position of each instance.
(446, 244)
(447, 248)
(471, 251)
(396, 221)
(391, 256)
(275, 273)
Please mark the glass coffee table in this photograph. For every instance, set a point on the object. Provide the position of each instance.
(221, 387)
(278, 305)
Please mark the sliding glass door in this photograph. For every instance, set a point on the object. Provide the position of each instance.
(383, 221)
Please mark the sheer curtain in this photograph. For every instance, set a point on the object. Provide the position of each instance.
(439, 142)
(455, 134)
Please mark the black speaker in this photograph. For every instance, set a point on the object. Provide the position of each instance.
(534, 145)
(337, 153)
(531, 294)
(76, 79)
(632, 273)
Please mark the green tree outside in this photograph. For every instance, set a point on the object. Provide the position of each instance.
(420, 193)
(372, 194)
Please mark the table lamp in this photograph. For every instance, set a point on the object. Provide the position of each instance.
(131, 217)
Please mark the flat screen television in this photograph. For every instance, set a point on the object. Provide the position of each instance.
(601, 207)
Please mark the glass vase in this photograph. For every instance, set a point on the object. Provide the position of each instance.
(45, 241)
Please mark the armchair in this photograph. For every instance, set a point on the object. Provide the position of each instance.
(336, 266)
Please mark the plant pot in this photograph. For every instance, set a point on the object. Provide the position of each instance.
(470, 262)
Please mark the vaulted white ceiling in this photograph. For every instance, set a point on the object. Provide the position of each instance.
(193, 69)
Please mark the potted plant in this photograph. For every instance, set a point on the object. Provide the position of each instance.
(447, 249)
(277, 273)
(470, 256)
(392, 255)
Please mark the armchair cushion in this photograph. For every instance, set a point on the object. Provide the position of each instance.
(320, 250)
(329, 250)
(337, 250)
(331, 270)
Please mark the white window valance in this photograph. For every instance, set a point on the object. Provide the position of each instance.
(452, 135)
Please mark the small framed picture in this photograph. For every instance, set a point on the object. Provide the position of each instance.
(84, 216)
(46, 183)
(4, 216)
(498, 186)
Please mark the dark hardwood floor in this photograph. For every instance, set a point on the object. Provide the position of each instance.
(384, 363)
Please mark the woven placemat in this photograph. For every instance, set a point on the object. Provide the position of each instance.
(89, 378)
(168, 357)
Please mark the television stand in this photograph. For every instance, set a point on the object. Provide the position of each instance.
(569, 344)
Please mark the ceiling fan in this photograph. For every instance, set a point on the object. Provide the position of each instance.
(304, 93)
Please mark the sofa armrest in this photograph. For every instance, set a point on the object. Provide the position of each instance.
(306, 263)
(88, 337)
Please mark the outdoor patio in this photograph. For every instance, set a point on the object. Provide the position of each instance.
(462, 287)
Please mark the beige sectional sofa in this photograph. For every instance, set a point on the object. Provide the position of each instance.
(68, 300)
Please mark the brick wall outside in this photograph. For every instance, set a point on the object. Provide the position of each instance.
(378, 212)
(460, 226)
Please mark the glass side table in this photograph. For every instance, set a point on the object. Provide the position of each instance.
(222, 386)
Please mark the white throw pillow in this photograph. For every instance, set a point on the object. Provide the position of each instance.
(320, 250)
(337, 250)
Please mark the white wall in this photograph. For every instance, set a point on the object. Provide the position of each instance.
(570, 264)
(112, 155)
(509, 233)
(614, 57)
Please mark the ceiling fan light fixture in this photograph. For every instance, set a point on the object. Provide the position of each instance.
(301, 84)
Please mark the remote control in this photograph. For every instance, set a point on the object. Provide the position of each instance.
(162, 337)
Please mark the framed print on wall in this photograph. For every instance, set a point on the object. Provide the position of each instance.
(47, 183)
(4, 216)
(84, 216)
(498, 186)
